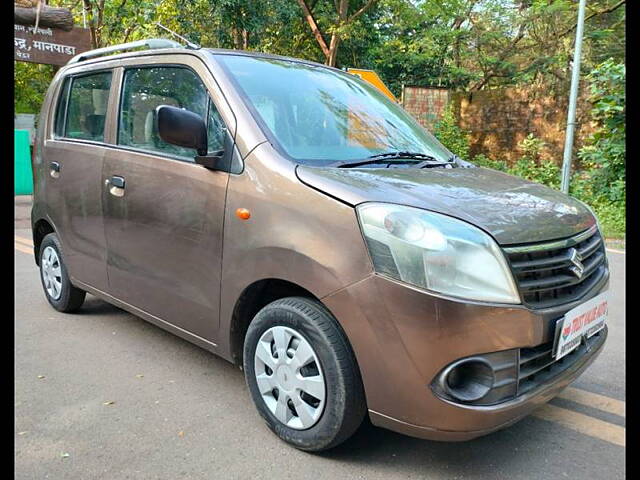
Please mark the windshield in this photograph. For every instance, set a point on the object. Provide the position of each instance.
(319, 116)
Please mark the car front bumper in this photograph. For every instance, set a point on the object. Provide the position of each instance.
(403, 337)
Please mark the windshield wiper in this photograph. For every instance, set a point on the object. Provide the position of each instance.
(460, 162)
(401, 154)
(421, 159)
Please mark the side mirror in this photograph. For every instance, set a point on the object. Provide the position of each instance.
(182, 128)
(186, 129)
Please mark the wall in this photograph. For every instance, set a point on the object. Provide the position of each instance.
(425, 104)
(499, 119)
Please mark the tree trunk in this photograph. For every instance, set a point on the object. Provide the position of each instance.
(343, 9)
(245, 39)
(237, 38)
(49, 17)
(333, 50)
(88, 10)
(314, 28)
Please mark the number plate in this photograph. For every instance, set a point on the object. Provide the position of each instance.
(580, 322)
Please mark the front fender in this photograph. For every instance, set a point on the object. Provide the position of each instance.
(295, 233)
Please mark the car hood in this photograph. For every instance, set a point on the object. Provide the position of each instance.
(509, 208)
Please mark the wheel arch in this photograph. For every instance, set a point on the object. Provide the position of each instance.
(41, 229)
(252, 299)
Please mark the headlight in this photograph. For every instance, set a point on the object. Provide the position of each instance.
(436, 252)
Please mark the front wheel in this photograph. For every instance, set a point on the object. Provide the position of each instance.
(302, 374)
(60, 293)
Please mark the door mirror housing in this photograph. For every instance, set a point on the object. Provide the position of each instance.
(182, 128)
(186, 129)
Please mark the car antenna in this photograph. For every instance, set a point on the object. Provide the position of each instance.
(191, 45)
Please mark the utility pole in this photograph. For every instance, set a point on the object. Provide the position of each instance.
(573, 99)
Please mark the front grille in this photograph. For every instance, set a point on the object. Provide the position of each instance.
(537, 365)
(554, 273)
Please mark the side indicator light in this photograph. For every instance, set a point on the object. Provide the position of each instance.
(243, 214)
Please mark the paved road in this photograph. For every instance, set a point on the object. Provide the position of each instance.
(104, 394)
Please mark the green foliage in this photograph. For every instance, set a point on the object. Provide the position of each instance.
(31, 82)
(531, 147)
(545, 172)
(530, 165)
(482, 160)
(474, 44)
(604, 152)
(451, 135)
(458, 44)
(602, 183)
(612, 215)
(583, 186)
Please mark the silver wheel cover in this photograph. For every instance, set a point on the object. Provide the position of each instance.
(289, 377)
(51, 272)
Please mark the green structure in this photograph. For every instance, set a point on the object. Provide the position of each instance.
(23, 176)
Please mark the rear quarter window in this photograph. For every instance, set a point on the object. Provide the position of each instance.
(61, 108)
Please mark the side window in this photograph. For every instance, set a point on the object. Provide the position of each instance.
(86, 107)
(146, 88)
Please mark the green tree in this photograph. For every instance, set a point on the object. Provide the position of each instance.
(340, 18)
(31, 81)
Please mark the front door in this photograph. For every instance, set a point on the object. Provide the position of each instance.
(164, 213)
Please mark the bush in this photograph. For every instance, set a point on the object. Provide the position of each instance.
(451, 135)
(602, 184)
(601, 181)
(604, 152)
(529, 166)
(612, 215)
(483, 161)
(531, 147)
(546, 172)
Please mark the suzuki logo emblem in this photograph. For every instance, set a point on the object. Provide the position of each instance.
(574, 257)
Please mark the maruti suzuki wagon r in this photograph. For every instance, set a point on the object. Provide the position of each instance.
(290, 218)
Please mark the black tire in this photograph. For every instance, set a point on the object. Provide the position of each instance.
(71, 298)
(345, 405)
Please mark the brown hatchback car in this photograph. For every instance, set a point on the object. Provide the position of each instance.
(290, 218)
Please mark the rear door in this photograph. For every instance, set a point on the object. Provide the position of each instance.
(73, 153)
(163, 212)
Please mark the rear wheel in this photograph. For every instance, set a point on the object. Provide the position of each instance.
(302, 374)
(60, 293)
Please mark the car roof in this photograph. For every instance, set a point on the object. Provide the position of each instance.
(201, 52)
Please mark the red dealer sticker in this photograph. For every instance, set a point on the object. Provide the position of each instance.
(581, 322)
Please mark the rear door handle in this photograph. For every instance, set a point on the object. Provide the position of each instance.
(117, 181)
(55, 169)
(115, 185)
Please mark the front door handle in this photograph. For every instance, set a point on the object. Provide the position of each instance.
(116, 185)
(55, 169)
